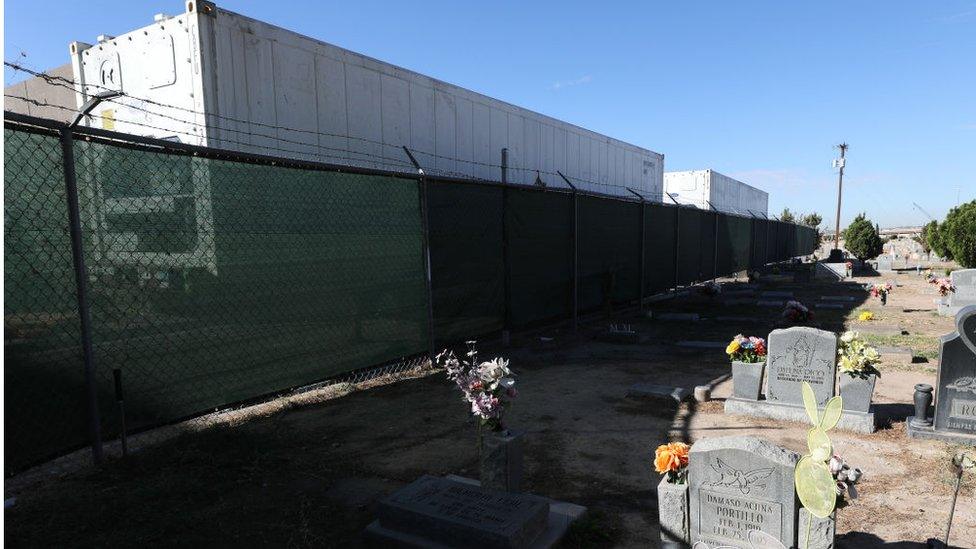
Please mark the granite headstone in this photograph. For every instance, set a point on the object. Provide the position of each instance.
(738, 484)
(800, 354)
(955, 407)
(964, 281)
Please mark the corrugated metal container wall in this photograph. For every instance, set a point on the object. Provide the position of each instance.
(265, 88)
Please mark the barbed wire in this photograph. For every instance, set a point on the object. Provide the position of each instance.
(76, 87)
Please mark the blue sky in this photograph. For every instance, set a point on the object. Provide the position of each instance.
(757, 90)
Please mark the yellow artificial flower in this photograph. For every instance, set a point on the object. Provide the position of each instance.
(733, 347)
(865, 316)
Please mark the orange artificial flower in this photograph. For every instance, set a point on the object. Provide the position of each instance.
(671, 457)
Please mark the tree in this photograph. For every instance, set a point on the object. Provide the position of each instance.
(861, 238)
(959, 234)
(935, 241)
(923, 238)
(787, 216)
(813, 220)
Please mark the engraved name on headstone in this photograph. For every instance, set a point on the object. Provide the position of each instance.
(801, 354)
(739, 484)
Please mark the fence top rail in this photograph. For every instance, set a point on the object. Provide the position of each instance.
(137, 142)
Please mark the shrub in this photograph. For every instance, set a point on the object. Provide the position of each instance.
(861, 238)
(935, 240)
(959, 234)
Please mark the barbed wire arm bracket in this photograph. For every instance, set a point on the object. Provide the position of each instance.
(566, 179)
(90, 105)
(413, 161)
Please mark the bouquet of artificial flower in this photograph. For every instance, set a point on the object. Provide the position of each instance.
(746, 349)
(855, 358)
(944, 286)
(880, 290)
(672, 459)
(487, 386)
(797, 312)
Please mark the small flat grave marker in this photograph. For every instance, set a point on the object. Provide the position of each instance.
(703, 344)
(688, 317)
(828, 305)
(649, 390)
(776, 293)
(847, 298)
(457, 514)
(901, 355)
(770, 303)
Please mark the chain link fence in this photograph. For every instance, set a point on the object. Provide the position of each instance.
(217, 280)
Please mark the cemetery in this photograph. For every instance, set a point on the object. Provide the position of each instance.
(571, 461)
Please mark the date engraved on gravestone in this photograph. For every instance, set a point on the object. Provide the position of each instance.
(730, 518)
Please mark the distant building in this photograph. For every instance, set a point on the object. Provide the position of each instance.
(58, 97)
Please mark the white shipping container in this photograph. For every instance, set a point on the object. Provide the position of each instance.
(708, 189)
(216, 78)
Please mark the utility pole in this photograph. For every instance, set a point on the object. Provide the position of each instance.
(840, 187)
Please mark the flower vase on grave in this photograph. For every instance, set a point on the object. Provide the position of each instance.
(747, 379)
(501, 459)
(673, 516)
(923, 399)
(856, 391)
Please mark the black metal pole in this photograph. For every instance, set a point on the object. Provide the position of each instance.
(575, 260)
(643, 235)
(715, 256)
(81, 287)
(425, 231)
(506, 263)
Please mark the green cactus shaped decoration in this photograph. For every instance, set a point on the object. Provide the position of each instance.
(814, 483)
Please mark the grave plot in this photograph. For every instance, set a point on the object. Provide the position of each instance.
(955, 399)
(313, 470)
(796, 356)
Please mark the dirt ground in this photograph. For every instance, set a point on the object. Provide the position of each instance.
(309, 473)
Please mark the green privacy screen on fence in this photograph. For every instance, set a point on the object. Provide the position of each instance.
(539, 229)
(659, 244)
(466, 257)
(44, 402)
(213, 282)
(609, 253)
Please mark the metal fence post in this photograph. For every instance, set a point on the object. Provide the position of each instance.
(715, 258)
(640, 269)
(81, 286)
(506, 264)
(643, 274)
(677, 236)
(425, 230)
(575, 238)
